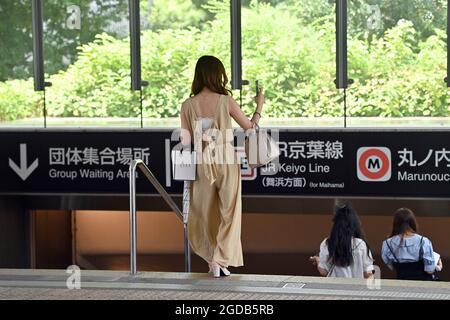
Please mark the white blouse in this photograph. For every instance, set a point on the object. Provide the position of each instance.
(362, 261)
(206, 122)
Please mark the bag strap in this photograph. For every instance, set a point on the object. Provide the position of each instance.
(421, 249)
(331, 270)
(390, 249)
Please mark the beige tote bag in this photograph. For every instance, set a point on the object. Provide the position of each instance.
(260, 147)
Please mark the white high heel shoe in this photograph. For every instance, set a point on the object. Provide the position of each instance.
(224, 272)
(210, 268)
(218, 271)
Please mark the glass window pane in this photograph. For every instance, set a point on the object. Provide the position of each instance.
(19, 104)
(398, 59)
(289, 45)
(87, 59)
(175, 34)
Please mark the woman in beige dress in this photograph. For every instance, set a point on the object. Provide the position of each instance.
(215, 204)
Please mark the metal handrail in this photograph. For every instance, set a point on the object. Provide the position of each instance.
(183, 216)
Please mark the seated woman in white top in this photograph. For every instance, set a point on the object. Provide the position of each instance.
(345, 253)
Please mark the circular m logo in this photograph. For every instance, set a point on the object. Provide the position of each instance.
(374, 164)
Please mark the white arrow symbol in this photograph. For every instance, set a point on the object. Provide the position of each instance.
(23, 171)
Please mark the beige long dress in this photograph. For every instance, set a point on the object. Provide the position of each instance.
(215, 212)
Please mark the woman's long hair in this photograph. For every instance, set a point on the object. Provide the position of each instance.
(346, 226)
(404, 220)
(210, 73)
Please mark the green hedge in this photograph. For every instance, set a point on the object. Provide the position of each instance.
(395, 75)
(18, 100)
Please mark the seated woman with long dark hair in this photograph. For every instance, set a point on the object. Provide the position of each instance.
(345, 252)
(411, 255)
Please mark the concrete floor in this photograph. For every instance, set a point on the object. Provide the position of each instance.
(106, 285)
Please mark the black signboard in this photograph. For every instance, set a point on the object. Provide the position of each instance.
(364, 163)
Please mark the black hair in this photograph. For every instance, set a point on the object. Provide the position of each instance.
(346, 226)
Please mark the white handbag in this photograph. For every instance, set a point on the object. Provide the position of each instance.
(260, 147)
(184, 166)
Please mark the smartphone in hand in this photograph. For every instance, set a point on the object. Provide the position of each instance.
(257, 87)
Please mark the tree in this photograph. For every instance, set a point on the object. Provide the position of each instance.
(61, 39)
(15, 39)
(372, 18)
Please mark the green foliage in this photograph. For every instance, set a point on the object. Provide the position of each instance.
(15, 40)
(176, 14)
(375, 17)
(18, 100)
(97, 85)
(294, 67)
(286, 46)
(60, 41)
(396, 78)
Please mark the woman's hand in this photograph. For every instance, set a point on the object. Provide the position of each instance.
(314, 260)
(259, 99)
(439, 265)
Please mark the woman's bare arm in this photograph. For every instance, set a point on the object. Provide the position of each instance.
(239, 116)
(323, 272)
(185, 135)
(315, 261)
